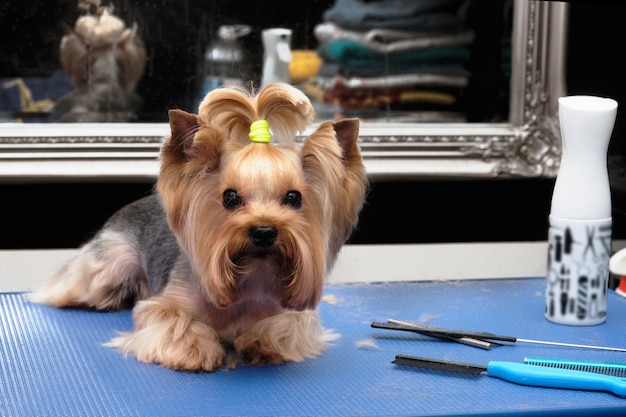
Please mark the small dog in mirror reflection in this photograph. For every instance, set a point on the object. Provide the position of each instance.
(104, 61)
(226, 263)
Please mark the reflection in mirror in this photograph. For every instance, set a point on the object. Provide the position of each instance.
(131, 61)
(503, 137)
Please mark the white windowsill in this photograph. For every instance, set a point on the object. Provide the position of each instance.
(24, 270)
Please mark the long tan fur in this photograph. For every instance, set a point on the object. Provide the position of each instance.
(286, 108)
(225, 290)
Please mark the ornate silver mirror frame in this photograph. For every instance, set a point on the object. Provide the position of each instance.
(527, 146)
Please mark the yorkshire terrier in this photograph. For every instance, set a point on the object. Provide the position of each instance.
(227, 262)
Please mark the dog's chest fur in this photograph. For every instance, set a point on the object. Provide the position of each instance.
(144, 221)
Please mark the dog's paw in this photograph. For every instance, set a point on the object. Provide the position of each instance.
(291, 336)
(171, 337)
(193, 353)
(252, 351)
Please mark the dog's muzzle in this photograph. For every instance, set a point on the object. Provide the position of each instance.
(263, 236)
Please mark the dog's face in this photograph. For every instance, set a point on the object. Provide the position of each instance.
(259, 220)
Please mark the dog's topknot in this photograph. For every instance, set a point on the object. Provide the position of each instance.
(233, 109)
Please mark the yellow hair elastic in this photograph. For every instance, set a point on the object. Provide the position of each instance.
(260, 131)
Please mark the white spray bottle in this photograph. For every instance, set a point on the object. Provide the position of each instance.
(276, 55)
(579, 237)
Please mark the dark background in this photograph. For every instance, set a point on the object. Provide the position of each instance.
(176, 34)
(65, 214)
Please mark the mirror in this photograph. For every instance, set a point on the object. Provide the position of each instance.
(525, 145)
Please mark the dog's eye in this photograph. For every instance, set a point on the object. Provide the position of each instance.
(231, 199)
(293, 199)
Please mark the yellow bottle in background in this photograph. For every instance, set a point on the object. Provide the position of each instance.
(304, 64)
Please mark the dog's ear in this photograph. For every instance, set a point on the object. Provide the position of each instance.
(183, 126)
(347, 131)
(196, 146)
(333, 141)
(333, 167)
(192, 152)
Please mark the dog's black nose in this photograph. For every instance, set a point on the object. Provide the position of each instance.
(263, 236)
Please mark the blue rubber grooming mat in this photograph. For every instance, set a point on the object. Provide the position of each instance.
(52, 362)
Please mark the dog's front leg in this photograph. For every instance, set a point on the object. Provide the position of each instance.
(168, 333)
(290, 336)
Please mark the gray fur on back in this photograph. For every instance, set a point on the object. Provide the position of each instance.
(145, 221)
